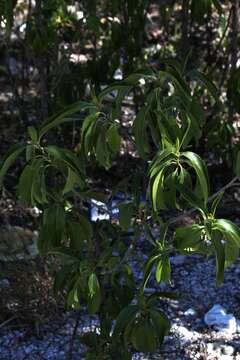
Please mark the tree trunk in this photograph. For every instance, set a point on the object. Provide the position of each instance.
(234, 47)
(41, 65)
(185, 29)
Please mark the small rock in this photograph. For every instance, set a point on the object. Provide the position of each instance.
(35, 212)
(185, 336)
(237, 270)
(238, 326)
(213, 350)
(4, 284)
(190, 312)
(178, 259)
(227, 349)
(221, 321)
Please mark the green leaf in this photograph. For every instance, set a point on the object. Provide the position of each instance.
(9, 159)
(228, 229)
(197, 75)
(30, 152)
(163, 270)
(220, 257)
(73, 298)
(65, 116)
(8, 13)
(32, 132)
(25, 185)
(188, 236)
(161, 324)
(53, 228)
(124, 317)
(94, 294)
(201, 171)
(216, 202)
(139, 129)
(88, 122)
(162, 155)
(238, 165)
(73, 179)
(231, 252)
(144, 337)
(66, 254)
(151, 300)
(149, 267)
(76, 235)
(191, 198)
(102, 151)
(66, 157)
(61, 279)
(86, 228)
(157, 185)
(113, 138)
(125, 215)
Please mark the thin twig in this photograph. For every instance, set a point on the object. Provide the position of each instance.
(219, 45)
(70, 353)
(190, 211)
(7, 321)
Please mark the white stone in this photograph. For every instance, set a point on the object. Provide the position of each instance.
(213, 350)
(238, 326)
(190, 312)
(4, 283)
(185, 336)
(99, 211)
(118, 75)
(35, 212)
(227, 349)
(220, 320)
(226, 357)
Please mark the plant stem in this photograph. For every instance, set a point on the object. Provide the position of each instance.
(190, 211)
(70, 353)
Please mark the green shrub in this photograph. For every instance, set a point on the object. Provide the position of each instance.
(95, 270)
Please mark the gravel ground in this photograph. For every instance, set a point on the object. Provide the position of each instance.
(190, 337)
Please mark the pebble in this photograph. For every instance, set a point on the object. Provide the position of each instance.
(4, 283)
(178, 259)
(227, 350)
(189, 332)
(190, 312)
(221, 321)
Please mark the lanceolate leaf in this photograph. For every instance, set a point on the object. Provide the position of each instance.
(238, 165)
(124, 318)
(9, 159)
(228, 229)
(113, 138)
(161, 324)
(216, 202)
(53, 228)
(191, 198)
(197, 75)
(143, 336)
(94, 294)
(220, 256)
(65, 116)
(125, 216)
(158, 182)
(139, 129)
(201, 171)
(188, 236)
